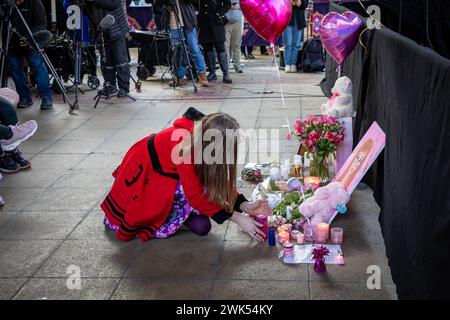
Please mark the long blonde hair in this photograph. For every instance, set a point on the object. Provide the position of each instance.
(219, 179)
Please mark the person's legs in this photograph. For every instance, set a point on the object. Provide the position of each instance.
(229, 29)
(109, 74)
(121, 64)
(175, 36)
(223, 61)
(199, 60)
(198, 224)
(16, 67)
(192, 42)
(40, 72)
(287, 40)
(296, 38)
(210, 55)
(236, 39)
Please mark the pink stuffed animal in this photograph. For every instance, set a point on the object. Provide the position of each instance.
(326, 200)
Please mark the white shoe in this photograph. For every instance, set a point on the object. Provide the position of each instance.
(293, 68)
(287, 69)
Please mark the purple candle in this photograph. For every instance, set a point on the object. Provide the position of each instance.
(337, 235)
(263, 220)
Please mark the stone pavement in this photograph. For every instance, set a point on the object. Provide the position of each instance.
(51, 223)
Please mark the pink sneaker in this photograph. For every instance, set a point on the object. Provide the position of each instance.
(21, 132)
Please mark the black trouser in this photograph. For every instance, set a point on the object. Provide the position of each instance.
(8, 117)
(219, 46)
(116, 70)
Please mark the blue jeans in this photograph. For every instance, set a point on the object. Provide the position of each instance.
(292, 38)
(192, 43)
(38, 68)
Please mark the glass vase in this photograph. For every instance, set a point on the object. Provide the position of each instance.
(319, 168)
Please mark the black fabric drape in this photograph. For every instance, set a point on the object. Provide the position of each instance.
(406, 89)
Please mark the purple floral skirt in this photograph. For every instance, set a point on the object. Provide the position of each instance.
(177, 216)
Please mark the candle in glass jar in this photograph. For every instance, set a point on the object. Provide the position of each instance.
(288, 249)
(308, 230)
(337, 235)
(283, 236)
(263, 220)
(339, 259)
(312, 180)
(300, 238)
(322, 231)
(281, 228)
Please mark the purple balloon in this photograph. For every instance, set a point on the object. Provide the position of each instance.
(339, 34)
(268, 18)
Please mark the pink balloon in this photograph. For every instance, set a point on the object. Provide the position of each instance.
(339, 34)
(268, 18)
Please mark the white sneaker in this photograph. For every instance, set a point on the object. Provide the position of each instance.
(21, 132)
(293, 68)
(287, 69)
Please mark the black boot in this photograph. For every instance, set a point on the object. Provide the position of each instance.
(223, 61)
(16, 155)
(211, 61)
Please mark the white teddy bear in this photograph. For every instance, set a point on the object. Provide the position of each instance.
(341, 102)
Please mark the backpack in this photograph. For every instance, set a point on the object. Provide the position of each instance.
(313, 58)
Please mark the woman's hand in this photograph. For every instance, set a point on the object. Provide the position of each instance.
(256, 207)
(248, 225)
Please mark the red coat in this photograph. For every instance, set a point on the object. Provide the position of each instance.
(141, 197)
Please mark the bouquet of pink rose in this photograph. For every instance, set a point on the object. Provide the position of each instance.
(319, 136)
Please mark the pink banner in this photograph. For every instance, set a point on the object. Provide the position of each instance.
(362, 158)
(344, 149)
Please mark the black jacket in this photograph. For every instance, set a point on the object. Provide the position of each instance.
(34, 13)
(298, 15)
(98, 9)
(212, 20)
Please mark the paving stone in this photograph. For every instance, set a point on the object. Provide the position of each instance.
(58, 289)
(45, 225)
(167, 257)
(9, 287)
(95, 258)
(260, 290)
(22, 258)
(56, 161)
(351, 291)
(67, 199)
(251, 260)
(17, 199)
(168, 289)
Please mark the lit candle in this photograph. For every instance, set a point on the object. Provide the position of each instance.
(300, 238)
(322, 231)
(339, 259)
(283, 236)
(288, 249)
(312, 181)
(281, 228)
(337, 235)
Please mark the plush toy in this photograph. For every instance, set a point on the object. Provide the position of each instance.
(341, 102)
(326, 201)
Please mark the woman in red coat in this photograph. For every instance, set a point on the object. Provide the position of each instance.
(175, 177)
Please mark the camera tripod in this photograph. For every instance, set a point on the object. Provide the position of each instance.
(169, 7)
(8, 8)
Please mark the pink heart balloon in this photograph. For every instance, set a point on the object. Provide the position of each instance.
(339, 34)
(268, 18)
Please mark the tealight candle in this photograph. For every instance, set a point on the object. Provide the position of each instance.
(300, 238)
(337, 235)
(339, 259)
(283, 236)
(322, 231)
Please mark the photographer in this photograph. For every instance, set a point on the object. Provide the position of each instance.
(116, 70)
(34, 14)
(212, 21)
(182, 18)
